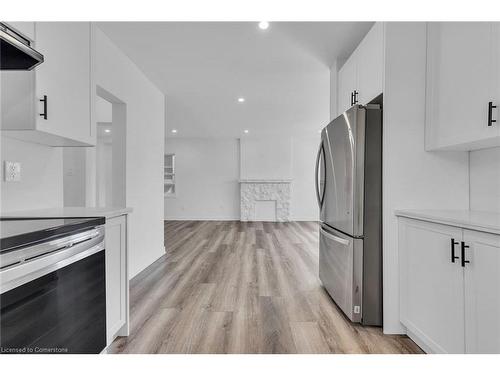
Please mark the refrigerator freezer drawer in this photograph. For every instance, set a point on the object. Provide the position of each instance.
(341, 269)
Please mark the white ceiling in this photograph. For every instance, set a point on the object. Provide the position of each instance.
(203, 67)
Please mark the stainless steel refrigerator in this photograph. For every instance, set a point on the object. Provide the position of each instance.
(349, 192)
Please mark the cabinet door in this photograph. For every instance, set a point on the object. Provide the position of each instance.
(116, 276)
(17, 106)
(495, 97)
(431, 295)
(64, 77)
(371, 64)
(347, 83)
(459, 85)
(482, 292)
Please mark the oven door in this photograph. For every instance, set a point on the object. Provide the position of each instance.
(62, 309)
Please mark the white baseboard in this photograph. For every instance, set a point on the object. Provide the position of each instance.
(202, 219)
(230, 219)
(147, 264)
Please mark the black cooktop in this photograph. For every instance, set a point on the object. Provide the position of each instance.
(18, 232)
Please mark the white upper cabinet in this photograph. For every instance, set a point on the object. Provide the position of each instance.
(371, 65)
(64, 78)
(495, 95)
(347, 83)
(482, 292)
(361, 78)
(51, 104)
(462, 79)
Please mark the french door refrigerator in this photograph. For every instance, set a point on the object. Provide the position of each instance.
(349, 192)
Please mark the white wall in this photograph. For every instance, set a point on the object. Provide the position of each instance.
(412, 177)
(41, 184)
(103, 110)
(485, 180)
(266, 158)
(208, 170)
(333, 90)
(145, 134)
(206, 174)
(74, 176)
(104, 173)
(304, 206)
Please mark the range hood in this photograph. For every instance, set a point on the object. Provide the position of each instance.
(16, 52)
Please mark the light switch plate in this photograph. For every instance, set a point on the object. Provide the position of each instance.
(12, 171)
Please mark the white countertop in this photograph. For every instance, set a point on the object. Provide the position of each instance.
(476, 220)
(107, 212)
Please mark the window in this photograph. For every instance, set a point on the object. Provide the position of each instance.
(169, 175)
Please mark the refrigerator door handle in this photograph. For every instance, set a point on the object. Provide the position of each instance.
(334, 238)
(320, 203)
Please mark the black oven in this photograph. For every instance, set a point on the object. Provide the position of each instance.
(53, 296)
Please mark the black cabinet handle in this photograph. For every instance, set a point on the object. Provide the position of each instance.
(490, 114)
(453, 243)
(44, 114)
(352, 98)
(463, 247)
(355, 97)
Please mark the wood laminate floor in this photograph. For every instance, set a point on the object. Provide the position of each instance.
(232, 287)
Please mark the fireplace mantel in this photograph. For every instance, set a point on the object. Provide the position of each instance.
(254, 190)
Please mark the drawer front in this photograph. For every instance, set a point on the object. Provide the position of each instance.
(340, 270)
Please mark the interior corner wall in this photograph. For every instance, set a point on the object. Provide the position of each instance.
(118, 75)
(413, 178)
(206, 179)
(333, 90)
(41, 184)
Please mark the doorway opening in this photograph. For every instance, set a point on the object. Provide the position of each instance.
(110, 153)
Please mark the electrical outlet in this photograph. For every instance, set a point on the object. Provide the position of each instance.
(12, 171)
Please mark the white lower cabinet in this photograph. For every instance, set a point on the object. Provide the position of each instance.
(432, 302)
(482, 292)
(116, 278)
(449, 287)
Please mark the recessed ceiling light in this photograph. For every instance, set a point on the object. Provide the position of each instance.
(241, 100)
(263, 25)
(245, 131)
(174, 130)
(107, 130)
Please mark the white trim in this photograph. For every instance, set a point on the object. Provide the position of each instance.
(265, 181)
(313, 219)
(236, 218)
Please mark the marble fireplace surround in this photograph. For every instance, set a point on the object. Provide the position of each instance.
(253, 190)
